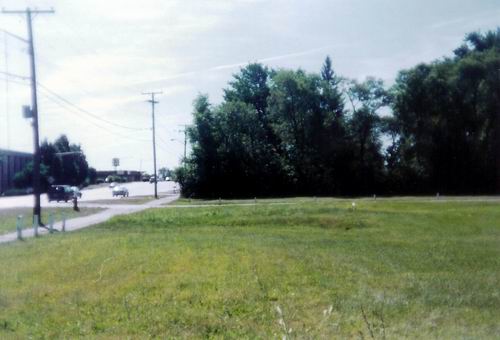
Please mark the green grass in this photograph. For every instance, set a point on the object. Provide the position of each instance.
(126, 200)
(208, 202)
(403, 269)
(8, 217)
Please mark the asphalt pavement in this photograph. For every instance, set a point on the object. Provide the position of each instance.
(101, 193)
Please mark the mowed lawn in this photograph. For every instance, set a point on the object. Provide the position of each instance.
(310, 269)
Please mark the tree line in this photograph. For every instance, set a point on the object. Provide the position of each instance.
(290, 132)
(62, 162)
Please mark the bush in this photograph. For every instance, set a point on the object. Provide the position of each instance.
(115, 178)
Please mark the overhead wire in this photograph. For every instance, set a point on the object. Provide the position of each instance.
(70, 109)
(3, 78)
(8, 75)
(12, 75)
(88, 112)
(65, 104)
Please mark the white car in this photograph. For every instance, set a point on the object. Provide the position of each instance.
(112, 184)
(120, 191)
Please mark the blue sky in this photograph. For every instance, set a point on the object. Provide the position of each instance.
(100, 56)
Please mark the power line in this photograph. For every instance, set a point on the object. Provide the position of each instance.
(49, 92)
(14, 35)
(162, 140)
(12, 75)
(88, 112)
(71, 110)
(13, 81)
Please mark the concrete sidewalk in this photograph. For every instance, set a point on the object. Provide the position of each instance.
(87, 221)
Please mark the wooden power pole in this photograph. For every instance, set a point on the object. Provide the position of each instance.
(34, 106)
(153, 102)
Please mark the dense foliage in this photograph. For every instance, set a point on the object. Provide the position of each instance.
(61, 163)
(284, 132)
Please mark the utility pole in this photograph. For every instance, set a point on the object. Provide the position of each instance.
(34, 105)
(153, 102)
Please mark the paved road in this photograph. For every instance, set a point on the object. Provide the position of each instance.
(103, 193)
(87, 221)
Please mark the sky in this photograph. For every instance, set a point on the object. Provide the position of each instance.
(95, 59)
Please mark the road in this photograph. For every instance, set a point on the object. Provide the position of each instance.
(102, 193)
(90, 220)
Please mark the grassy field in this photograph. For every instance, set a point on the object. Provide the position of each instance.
(8, 217)
(388, 269)
(209, 202)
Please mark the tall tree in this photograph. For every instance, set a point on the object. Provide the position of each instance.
(366, 99)
(250, 86)
(448, 118)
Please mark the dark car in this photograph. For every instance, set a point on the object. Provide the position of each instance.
(60, 193)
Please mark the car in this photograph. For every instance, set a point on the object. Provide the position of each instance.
(76, 192)
(168, 179)
(112, 185)
(120, 191)
(60, 193)
(152, 179)
(145, 177)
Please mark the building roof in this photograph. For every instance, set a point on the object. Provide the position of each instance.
(15, 153)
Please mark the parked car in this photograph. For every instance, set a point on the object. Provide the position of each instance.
(145, 177)
(76, 192)
(152, 179)
(112, 184)
(60, 193)
(120, 191)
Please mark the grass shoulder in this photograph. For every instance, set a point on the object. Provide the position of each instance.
(9, 216)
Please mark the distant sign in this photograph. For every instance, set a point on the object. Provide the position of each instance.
(116, 162)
